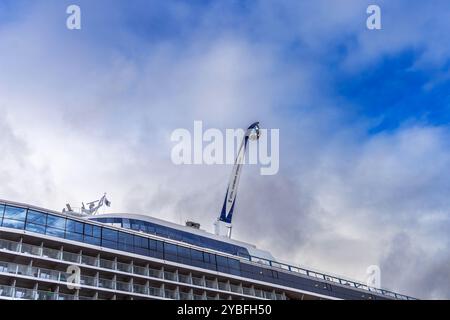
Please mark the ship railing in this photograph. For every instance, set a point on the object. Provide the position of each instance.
(112, 265)
(33, 294)
(47, 274)
(322, 276)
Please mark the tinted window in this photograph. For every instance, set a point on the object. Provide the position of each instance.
(74, 226)
(16, 224)
(108, 234)
(36, 221)
(36, 217)
(15, 213)
(141, 242)
(92, 231)
(56, 232)
(126, 238)
(2, 209)
(56, 222)
(35, 228)
(126, 242)
(196, 255)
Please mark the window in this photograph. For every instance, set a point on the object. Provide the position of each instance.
(14, 217)
(156, 248)
(74, 226)
(36, 221)
(74, 230)
(108, 234)
(54, 232)
(56, 222)
(2, 209)
(235, 266)
(222, 264)
(197, 255)
(92, 234)
(36, 217)
(15, 213)
(92, 231)
(170, 251)
(126, 242)
(109, 238)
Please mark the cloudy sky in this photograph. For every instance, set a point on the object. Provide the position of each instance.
(364, 119)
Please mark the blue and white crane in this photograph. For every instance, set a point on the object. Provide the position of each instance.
(223, 224)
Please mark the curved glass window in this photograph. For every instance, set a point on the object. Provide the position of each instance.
(56, 222)
(109, 238)
(176, 234)
(2, 209)
(36, 217)
(14, 217)
(36, 221)
(55, 226)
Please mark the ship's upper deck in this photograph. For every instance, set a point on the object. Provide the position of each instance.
(185, 234)
(39, 221)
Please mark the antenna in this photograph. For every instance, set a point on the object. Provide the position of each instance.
(92, 207)
(223, 224)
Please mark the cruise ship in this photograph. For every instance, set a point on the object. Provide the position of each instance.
(83, 255)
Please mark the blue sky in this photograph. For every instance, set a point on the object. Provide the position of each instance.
(363, 118)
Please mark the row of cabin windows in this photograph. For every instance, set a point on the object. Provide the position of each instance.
(174, 234)
(52, 225)
(44, 223)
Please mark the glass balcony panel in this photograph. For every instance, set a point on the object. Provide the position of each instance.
(88, 281)
(107, 264)
(123, 267)
(170, 276)
(71, 257)
(63, 296)
(51, 253)
(21, 293)
(184, 278)
(90, 261)
(223, 286)
(259, 293)
(235, 288)
(4, 267)
(5, 291)
(154, 291)
(48, 274)
(170, 294)
(185, 296)
(105, 283)
(140, 270)
(24, 270)
(140, 289)
(155, 273)
(30, 249)
(247, 291)
(211, 284)
(123, 286)
(197, 281)
(9, 245)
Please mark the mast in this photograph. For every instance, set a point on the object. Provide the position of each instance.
(223, 224)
